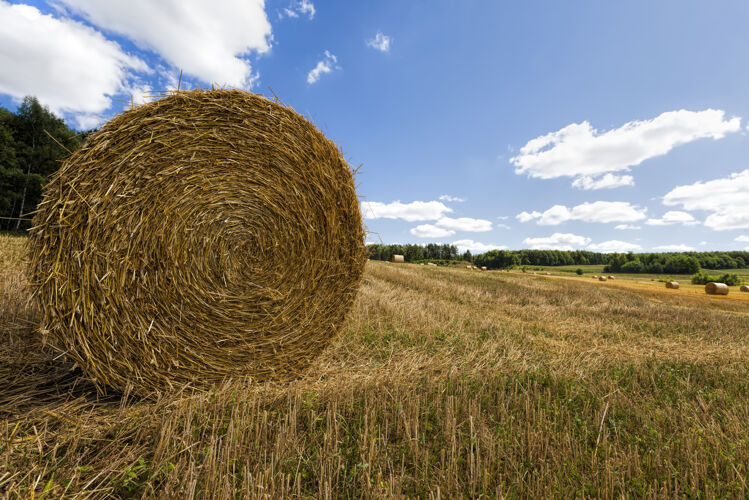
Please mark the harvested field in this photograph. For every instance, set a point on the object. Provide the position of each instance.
(468, 385)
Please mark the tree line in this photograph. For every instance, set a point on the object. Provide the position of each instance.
(653, 263)
(33, 142)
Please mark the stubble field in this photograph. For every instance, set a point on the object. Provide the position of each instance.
(445, 383)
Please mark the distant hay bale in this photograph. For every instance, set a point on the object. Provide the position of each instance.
(398, 259)
(713, 288)
(468, 267)
(672, 284)
(602, 278)
(611, 277)
(483, 268)
(431, 264)
(205, 235)
(744, 288)
(595, 276)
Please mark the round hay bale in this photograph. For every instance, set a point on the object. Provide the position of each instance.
(398, 259)
(744, 288)
(713, 288)
(611, 277)
(595, 276)
(602, 278)
(205, 235)
(483, 268)
(672, 284)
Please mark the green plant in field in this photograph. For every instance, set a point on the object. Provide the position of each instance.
(579, 271)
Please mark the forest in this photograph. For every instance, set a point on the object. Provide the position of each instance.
(653, 263)
(33, 142)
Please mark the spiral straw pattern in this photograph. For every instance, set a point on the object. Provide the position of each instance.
(205, 235)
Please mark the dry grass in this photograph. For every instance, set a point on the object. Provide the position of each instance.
(468, 385)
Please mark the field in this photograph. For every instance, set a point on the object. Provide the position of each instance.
(446, 383)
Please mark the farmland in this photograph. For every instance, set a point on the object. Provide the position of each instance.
(445, 383)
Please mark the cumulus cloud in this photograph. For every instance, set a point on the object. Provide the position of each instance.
(411, 212)
(447, 197)
(326, 65)
(380, 42)
(742, 239)
(209, 40)
(675, 248)
(447, 226)
(303, 7)
(598, 211)
(557, 241)
(582, 152)
(727, 199)
(465, 224)
(673, 217)
(476, 247)
(612, 246)
(70, 67)
(607, 181)
(527, 216)
(627, 226)
(430, 231)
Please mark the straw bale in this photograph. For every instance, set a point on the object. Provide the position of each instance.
(744, 288)
(483, 268)
(611, 277)
(398, 258)
(595, 276)
(205, 235)
(713, 288)
(602, 278)
(672, 284)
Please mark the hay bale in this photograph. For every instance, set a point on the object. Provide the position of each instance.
(205, 235)
(595, 276)
(713, 288)
(431, 264)
(602, 278)
(672, 284)
(399, 259)
(468, 267)
(611, 277)
(744, 288)
(483, 268)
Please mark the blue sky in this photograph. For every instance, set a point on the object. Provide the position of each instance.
(593, 125)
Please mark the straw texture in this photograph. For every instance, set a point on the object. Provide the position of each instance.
(205, 235)
(716, 288)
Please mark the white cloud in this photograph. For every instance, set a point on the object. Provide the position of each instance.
(673, 217)
(580, 151)
(380, 42)
(476, 247)
(447, 197)
(674, 248)
(703, 243)
(447, 226)
(607, 181)
(598, 211)
(614, 246)
(527, 216)
(503, 226)
(627, 226)
(209, 40)
(411, 212)
(303, 7)
(742, 239)
(465, 224)
(727, 198)
(70, 67)
(325, 65)
(431, 231)
(557, 241)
